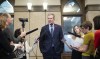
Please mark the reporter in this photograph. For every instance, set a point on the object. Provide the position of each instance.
(96, 21)
(87, 48)
(8, 31)
(77, 42)
(24, 51)
(6, 49)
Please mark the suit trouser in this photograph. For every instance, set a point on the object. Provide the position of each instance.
(51, 54)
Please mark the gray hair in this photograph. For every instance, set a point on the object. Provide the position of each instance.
(52, 15)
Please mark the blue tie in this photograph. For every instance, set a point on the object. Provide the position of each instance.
(51, 30)
(52, 34)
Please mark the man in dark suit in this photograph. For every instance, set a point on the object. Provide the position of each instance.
(50, 42)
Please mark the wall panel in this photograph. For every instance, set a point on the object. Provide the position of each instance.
(35, 20)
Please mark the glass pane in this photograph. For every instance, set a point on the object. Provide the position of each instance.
(68, 23)
(2, 10)
(6, 7)
(71, 6)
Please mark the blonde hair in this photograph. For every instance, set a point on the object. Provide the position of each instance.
(6, 15)
(2, 22)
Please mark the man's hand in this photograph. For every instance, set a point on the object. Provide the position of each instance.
(11, 43)
(19, 46)
(23, 34)
(63, 40)
(83, 48)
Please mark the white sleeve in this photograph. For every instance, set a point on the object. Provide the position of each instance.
(28, 48)
(16, 45)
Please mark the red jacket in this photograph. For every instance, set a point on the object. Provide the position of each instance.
(97, 39)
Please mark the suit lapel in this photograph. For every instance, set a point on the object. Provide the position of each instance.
(48, 30)
(54, 32)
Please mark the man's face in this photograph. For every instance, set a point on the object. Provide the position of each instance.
(84, 30)
(50, 19)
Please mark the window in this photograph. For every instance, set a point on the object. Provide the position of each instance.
(68, 23)
(72, 14)
(6, 7)
(71, 6)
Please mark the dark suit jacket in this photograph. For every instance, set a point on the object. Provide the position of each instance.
(5, 48)
(46, 39)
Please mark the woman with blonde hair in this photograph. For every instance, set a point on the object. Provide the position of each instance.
(76, 39)
(6, 48)
(76, 42)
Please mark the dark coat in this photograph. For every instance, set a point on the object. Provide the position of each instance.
(5, 48)
(46, 39)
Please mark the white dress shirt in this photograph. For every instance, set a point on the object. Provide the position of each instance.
(77, 42)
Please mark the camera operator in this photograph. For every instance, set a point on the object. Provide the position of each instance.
(8, 31)
(6, 47)
(9, 34)
(23, 53)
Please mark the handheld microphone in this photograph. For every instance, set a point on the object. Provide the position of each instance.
(74, 34)
(39, 37)
(31, 31)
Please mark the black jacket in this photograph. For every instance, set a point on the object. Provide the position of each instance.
(5, 48)
(46, 39)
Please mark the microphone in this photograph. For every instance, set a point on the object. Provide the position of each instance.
(36, 40)
(31, 31)
(39, 37)
(74, 34)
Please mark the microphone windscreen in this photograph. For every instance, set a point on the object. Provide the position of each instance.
(31, 31)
